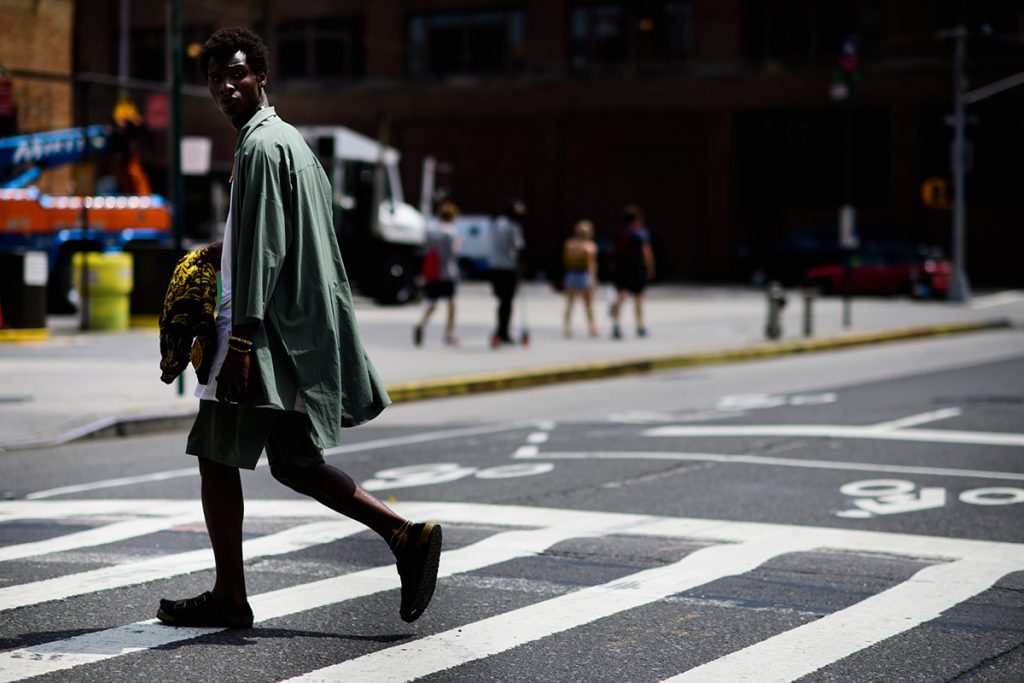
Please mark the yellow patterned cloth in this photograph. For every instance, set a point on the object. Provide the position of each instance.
(187, 324)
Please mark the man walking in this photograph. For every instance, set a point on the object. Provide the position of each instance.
(506, 244)
(290, 370)
(633, 268)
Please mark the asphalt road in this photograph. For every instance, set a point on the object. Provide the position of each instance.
(847, 516)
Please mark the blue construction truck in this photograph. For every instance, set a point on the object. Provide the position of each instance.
(61, 225)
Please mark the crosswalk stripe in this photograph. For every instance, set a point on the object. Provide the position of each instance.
(14, 510)
(706, 529)
(134, 573)
(503, 632)
(36, 660)
(843, 432)
(968, 567)
(805, 649)
(109, 533)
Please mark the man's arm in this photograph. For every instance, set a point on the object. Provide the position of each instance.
(259, 243)
(233, 380)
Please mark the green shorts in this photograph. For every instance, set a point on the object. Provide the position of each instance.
(236, 435)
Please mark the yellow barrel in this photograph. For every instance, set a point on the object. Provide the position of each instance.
(108, 284)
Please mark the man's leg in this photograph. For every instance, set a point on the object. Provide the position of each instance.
(417, 547)
(638, 308)
(223, 508)
(505, 289)
(427, 312)
(226, 604)
(588, 307)
(570, 298)
(338, 491)
(615, 310)
(450, 322)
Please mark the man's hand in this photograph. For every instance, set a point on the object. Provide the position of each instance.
(233, 380)
(212, 254)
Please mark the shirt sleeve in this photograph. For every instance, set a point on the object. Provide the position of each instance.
(260, 233)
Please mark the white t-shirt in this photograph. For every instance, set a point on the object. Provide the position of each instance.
(208, 392)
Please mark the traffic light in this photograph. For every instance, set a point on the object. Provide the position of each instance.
(849, 61)
(935, 193)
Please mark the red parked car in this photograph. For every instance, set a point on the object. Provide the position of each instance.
(887, 269)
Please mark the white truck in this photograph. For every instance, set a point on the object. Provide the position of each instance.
(381, 236)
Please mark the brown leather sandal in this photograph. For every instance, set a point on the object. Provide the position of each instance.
(204, 610)
(418, 563)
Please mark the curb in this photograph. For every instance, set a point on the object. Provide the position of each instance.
(501, 381)
(24, 334)
(520, 379)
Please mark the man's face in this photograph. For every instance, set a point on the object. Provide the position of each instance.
(235, 87)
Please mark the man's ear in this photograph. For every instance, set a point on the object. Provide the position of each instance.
(261, 80)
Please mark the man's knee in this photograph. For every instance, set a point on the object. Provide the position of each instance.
(210, 469)
(294, 476)
(284, 473)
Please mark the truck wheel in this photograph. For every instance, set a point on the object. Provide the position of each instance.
(395, 282)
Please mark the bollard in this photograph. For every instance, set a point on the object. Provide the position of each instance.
(809, 293)
(776, 302)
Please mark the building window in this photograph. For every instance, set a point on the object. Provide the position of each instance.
(648, 31)
(806, 31)
(192, 39)
(148, 56)
(667, 29)
(598, 36)
(465, 43)
(321, 49)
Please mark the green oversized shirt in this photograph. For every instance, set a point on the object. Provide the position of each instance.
(288, 276)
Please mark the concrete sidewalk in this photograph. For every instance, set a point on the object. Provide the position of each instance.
(75, 384)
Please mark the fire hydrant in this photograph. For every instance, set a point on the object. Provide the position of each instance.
(776, 302)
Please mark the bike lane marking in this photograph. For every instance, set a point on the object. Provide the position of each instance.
(745, 459)
(374, 444)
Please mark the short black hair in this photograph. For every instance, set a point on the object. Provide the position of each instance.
(632, 212)
(225, 42)
(514, 208)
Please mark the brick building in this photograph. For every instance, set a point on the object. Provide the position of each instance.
(716, 116)
(36, 38)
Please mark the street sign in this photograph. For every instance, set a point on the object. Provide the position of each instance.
(158, 111)
(935, 193)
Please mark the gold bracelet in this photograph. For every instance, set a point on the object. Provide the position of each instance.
(239, 344)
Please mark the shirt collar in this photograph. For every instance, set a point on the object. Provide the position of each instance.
(255, 122)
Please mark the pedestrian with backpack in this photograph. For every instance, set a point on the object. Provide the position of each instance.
(440, 272)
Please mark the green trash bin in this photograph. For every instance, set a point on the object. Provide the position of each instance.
(104, 284)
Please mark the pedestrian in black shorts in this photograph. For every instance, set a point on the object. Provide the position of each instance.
(633, 268)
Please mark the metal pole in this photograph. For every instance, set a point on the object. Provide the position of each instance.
(959, 288)
(809, 294)
(124, 48)
(848, 214)
(177, 182)
(427, 186)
